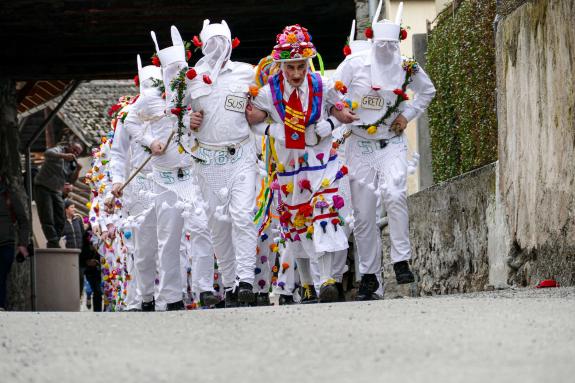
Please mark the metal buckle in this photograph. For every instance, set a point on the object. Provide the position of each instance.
(383, 143)
(180, 173)
(232, 150)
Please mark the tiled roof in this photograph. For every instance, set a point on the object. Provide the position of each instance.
(86, 112)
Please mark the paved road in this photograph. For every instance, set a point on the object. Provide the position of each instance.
(509, 336)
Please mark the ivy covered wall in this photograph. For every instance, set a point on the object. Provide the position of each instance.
(461, 63)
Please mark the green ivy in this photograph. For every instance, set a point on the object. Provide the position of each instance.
(461, 63)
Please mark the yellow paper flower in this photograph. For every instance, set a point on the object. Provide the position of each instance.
(89, 205)
(291, 38)
(299, 220)
(372, 129)
(281, 167)
(310, 229)
(307, 52)
(354, 105)
(325, 183)
(180, 149)
(289, 187)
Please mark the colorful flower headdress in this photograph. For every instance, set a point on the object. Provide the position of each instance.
(293, 44)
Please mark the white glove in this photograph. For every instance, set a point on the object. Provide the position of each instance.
(323, 129)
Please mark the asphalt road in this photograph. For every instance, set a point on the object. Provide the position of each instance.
(507, 336)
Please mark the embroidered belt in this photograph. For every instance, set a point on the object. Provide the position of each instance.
(231, 148)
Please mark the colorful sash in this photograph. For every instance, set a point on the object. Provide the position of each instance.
(294, 122)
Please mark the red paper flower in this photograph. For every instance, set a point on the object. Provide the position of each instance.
(188, 54)
(368, 32)
(304, 184)
(207, 79)
(402, 34)
(155, 60)
(196, 41)
(137, 80)
(176, 111)
(235, 43)
(191, 74)
(305, 210)
(401, 93)
(346, 50)
(344, 169)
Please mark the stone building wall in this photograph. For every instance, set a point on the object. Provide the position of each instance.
(536, 114)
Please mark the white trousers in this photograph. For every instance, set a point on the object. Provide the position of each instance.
(385, 169)
(265, 260)
(234, 240)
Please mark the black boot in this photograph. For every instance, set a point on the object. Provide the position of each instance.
(340, 292)
(207, 298)
(308, 294)
(246, 294)
(328, 292)
(263, 299)
(175, 306)
(402, 273)
(149, 306)
(286, 300)
(231, 298)
(367, 288)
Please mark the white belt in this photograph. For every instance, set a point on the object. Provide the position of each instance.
(231, 148)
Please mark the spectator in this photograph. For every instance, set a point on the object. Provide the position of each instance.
(73, 226)
(14, 233)
(60, 169)
(90, 263)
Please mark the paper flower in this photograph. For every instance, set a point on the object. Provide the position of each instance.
(287, 188)
(235, 43)
(254, 91)
(401, 93)
(263, 237)
(257, 270)
(368, 32)
(323, 225)
(338, 201)
(263, 259)
(346, 50)
(197, 42)
(321, 205)
(207, 79)
(339, 105)
(305, 210)
(304, 184)
(372, 129)
(285, 266)
(320, 156)
(299, 220)
(155, 60)
(280, 167)
(335, 222)
(262, 283)
(325, 183)
(309, 232)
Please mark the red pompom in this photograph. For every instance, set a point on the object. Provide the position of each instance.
(188, 54)
(235, 43)
(137, 80)
(368, 32)
(176, 111)
(346, 50)
(196, 41)
(403, 34)
(207, 79)
(344, 169)
(155, 60)
(191, 74)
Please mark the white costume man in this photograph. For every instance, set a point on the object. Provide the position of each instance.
(174, 189)
(217, 91)
(126, 156)
(376, 152)
(299, 103)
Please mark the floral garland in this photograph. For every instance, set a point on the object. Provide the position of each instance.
(410, 67)
(159, 84)
(178, 85)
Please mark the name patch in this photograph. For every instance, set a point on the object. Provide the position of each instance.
(372, 102)
(236, 103)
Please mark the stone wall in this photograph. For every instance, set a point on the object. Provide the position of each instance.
(449, 230)
(536, 116)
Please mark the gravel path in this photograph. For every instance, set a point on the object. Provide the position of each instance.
(502, 336)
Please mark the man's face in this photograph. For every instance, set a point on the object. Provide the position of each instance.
(295, 72)
(71, 210)
(76, 149)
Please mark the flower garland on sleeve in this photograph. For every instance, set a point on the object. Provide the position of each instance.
(178, 85)
(410, 67)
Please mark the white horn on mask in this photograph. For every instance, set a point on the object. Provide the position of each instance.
(153, 34)
(139, 60)
(206, 22)
(176, 38)
(377, 12)
(399, 13)
(352, 33)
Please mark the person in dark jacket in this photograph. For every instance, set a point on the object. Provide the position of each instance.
(73, 226)
(90, 263)
(14, 233)
(58, 171)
